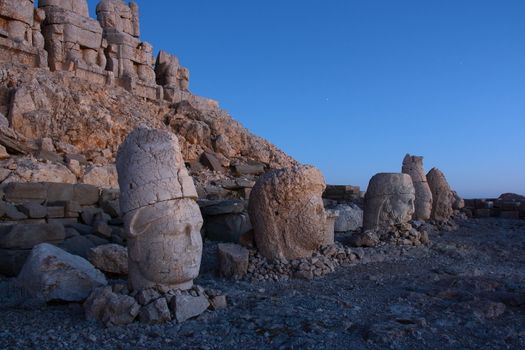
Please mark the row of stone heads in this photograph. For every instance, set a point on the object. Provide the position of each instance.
(68, 39)
(162, 219)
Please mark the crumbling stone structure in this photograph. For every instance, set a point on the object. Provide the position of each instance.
(171, 75)
(20, 34)
(161, 217)
(128, 57)
(389, 201)
(413, 166)
(73, 40)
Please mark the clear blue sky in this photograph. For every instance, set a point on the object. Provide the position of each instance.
(352, 86)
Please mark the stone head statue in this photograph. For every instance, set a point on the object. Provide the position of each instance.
(389, 200)
(161, 217)
(413, 166)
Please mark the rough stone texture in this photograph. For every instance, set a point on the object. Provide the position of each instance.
(350, 217)
(459, 203)
(170, 73)
(53, 274)
(111, 258)
(287, 212)
(233, 260)
(155, 312)
(389, 200)
(187, 306)
(413, 166)
(151, 169)
(161, 218)
(72, 39)
(101, 176)
(443, 197)
(110, 308)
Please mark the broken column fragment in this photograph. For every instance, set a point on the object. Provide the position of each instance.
(413, 166)
(389, 201)
(287, 213)
(161, 216)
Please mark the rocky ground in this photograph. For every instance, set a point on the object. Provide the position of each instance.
(464, 291)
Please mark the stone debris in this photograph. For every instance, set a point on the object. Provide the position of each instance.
(287, 213)
(52, 274)
(413, 166)
(161, 217)
(389, 200)
(115, 305)
(399, 234)
(233, 261)
(225, 220)
(110, 258)
(322, 262)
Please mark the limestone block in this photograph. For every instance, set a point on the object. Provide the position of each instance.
(187, 306)
(79, 7)
(442, 207)
(350, 218)
(233, 260)
(151, 169)
(287, 212)
(413, 166)
(50, 274)
(19, 10)
(389, 200)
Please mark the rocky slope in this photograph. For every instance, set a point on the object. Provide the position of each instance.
(88, 122)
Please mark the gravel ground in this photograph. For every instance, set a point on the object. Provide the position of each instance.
(465, 291)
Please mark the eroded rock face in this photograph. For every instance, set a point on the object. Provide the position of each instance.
(389, 200)
(161, 217)
(287, 213)
(442, 208)
(413, 166)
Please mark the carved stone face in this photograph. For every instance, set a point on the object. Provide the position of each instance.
(165, 245)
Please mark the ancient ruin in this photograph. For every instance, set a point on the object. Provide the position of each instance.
(126, 198)
(389, 200)
(413, 166)
(161, 218)
(287, 213)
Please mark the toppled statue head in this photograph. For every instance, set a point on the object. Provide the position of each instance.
(161, 217)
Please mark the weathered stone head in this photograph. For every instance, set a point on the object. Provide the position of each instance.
(413, 166)
(161, 218)
(287, 213)
(389, 200)
(442, 207)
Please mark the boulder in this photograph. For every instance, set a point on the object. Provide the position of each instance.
(110, 258)
(350, 218)
(287, 213)
(389, 200)
(78, 245)
(413, 166)
(233, 260)
(442, 207)
(221, 207)
(51, 273)
(101, 176)
(185, 307)
(110, 308)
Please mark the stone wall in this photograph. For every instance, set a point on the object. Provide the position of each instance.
(505, 207)
(76, 217)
